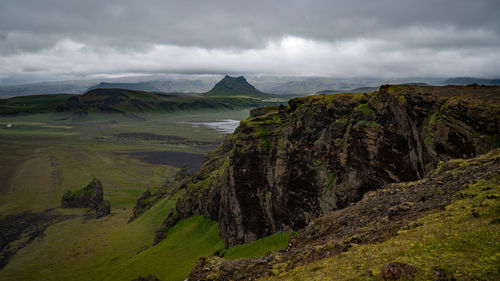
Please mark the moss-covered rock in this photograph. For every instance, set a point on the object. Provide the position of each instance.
(148, 199)
(91, 196)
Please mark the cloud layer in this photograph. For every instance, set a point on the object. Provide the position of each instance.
(388, 38)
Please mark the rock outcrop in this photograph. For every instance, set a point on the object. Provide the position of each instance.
(90, 196)
(396, 270)
(285, 166)
(148, 199)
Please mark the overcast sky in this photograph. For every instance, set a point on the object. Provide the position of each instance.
(68, 39)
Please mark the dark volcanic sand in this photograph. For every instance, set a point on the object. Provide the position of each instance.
(203, 145)
(149, 136)
(177, 159)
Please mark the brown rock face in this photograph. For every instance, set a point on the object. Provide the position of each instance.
(285, 166)
(396, 270)
(104, 208)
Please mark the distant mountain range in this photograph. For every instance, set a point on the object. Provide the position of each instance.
(267, 84)
(364, 89)
(46, 88)
(230, 93)
(470, 80)
(168, 86)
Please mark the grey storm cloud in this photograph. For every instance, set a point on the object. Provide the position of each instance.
(349, 38)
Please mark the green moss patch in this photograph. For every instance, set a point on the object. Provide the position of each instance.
(396, 88)
(434, 119)
(365, 108)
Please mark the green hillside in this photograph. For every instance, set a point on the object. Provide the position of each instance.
(129, 103)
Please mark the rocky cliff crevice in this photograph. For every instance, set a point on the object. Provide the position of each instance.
(287, 165)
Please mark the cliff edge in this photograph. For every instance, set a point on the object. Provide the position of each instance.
(285, 166)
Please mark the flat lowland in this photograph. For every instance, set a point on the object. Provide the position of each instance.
(172, 158)
(43, 156)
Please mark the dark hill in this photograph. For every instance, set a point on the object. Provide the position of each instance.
(127, 103)
(109, 100)
(235, 86)
(130, 101)
(32, 104)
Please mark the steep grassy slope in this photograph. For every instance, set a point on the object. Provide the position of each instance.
(173, 258)
(259, 247)
(111, 249)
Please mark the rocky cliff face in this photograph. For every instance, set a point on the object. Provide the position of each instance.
(287, 165)
(378, 217)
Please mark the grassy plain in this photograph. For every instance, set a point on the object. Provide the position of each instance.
(42, 157)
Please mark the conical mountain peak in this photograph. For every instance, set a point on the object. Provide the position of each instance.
(234, 86)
